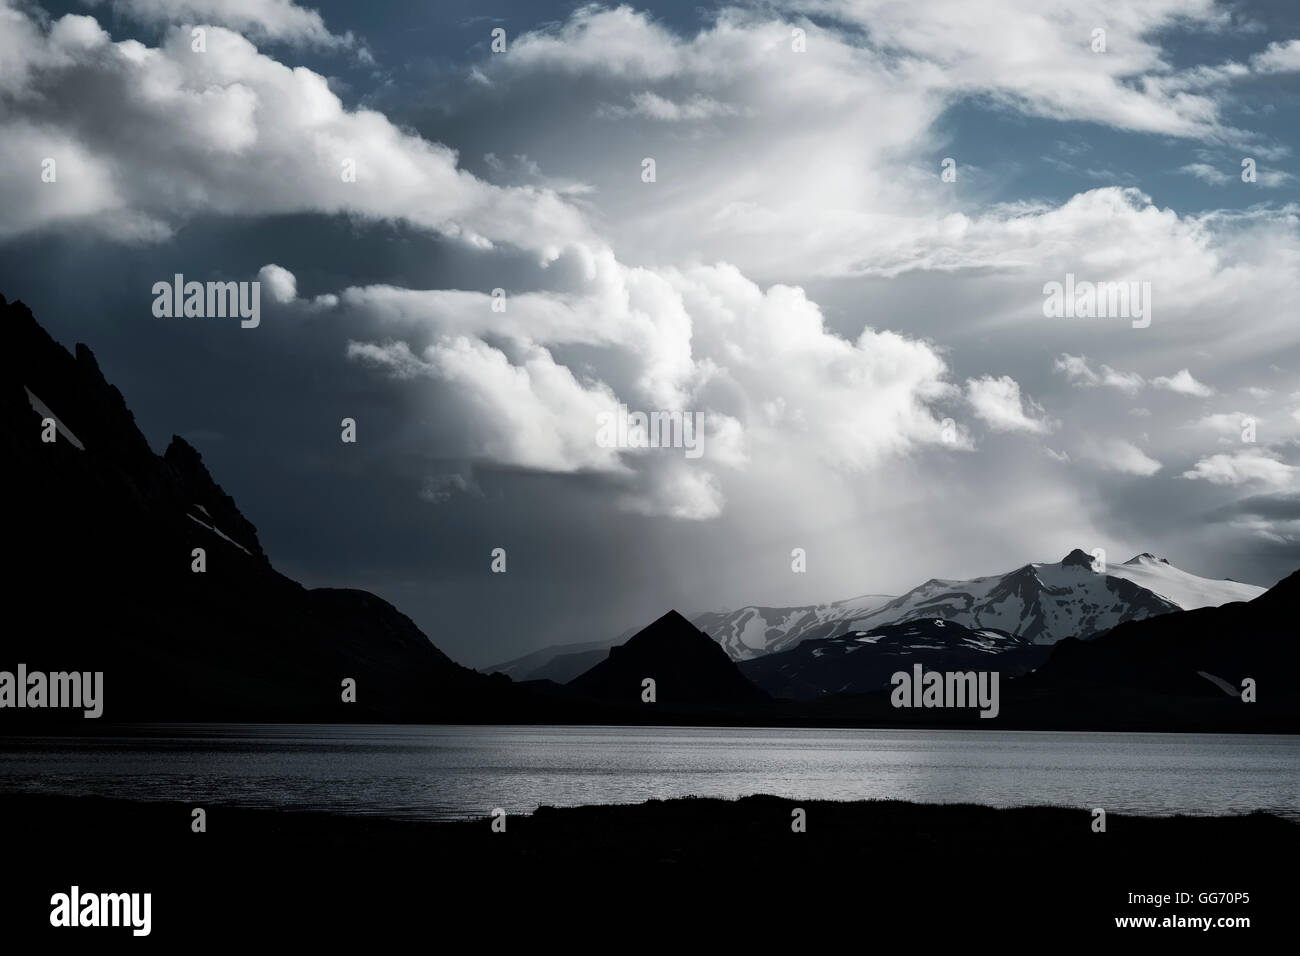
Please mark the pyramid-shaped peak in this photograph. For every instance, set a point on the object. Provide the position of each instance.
(673, 618)
(687, 665)
(1077, 558)
(671, 626)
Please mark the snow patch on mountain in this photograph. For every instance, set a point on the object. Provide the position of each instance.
(1188, 591)
(219, 533)
(863, 663)
(44, 411)
(1042, 603)
(754, 631)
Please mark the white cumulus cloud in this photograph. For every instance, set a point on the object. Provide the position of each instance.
(1245, 467)
(1184, 383)
(279, 282)
(997, 402)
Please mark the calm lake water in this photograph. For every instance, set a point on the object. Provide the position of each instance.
(456, 772)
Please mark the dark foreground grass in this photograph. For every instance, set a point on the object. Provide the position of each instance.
(664, 873)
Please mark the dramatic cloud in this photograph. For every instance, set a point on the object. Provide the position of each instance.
(772, 382)
(952, 48)
(1245, 467)
(1058, 73)
(228, 131)
(262, 19)
(873, 108)
(998, 403)
(1280, 57)
(464, 255)
(533, 414)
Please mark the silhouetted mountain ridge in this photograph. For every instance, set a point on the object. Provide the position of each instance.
(1259, 639)
(104, 531)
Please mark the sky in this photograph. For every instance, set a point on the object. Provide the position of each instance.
(842, 265)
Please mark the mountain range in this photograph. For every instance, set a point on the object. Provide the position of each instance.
(754, 631)
(1045, 603)
(1038, 603)
(141, 566)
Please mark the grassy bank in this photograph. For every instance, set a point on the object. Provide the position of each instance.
(729, 867)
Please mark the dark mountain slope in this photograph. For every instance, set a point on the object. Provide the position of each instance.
(560, 663)
(1259, 639)
(863, 661)
(1175, 671)
(100, 533)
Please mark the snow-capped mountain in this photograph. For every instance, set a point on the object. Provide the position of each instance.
(1186, 590)
(859, 662)
(1044, 603)
(754, 631)
(744, 634)
(1039, 603)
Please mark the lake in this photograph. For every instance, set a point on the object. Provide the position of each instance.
(451, 772)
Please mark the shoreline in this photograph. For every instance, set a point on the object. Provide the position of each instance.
(51, 728)
(1029, 867)
(407, 817)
